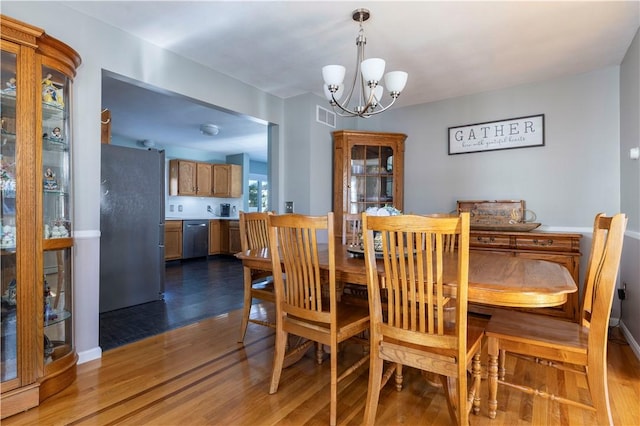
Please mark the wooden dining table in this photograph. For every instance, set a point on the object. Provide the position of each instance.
(495, 279)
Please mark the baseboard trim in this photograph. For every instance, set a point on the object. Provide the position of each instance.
(90, 355)
(635, 347)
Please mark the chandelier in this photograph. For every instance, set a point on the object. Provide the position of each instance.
(367, 90)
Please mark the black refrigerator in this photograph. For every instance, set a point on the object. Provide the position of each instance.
(131, 227)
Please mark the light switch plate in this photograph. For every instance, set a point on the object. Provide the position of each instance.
(288, 206)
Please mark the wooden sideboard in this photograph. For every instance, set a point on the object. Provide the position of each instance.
(562, 248)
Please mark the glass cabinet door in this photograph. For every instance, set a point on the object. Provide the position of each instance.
(371, 181)
(9, 290)
(56, 208)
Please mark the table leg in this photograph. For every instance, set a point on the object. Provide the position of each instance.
(493, 349)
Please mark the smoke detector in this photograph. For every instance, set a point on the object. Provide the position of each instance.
(209, 129)
(147, 143)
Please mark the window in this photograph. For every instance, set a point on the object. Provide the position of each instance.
(258, 195)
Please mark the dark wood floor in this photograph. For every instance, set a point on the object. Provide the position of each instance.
(194, 289)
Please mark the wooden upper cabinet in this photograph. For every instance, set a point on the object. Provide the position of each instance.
(227, 180)
(189, 178)
(368, 171)
(182, 177)
(204, 179)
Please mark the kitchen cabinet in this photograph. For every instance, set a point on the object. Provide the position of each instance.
(224, 236)
(562, 248)
(234, 237)
(190, 178)
(215, 236)
(227, 180)
(173, 240)
(38, 357)
(368, 171)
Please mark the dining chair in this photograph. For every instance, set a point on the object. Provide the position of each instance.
(579, 347)
(351, 228)
(425, 323)
(254, 235)
(300, 308)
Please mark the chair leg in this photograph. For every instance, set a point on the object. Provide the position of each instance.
(399, 377)
(493, 349)
(246, 308)
(477, 379)
(278, 359)
(502, 360)
(599, 389)
(334, 385)
(319, 353)
(449, 386)
(373, 392)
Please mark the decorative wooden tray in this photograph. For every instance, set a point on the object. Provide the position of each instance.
(498, 215)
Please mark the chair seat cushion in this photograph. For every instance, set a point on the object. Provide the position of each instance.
(536, 329)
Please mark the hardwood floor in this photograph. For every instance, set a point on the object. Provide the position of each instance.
(199, 375)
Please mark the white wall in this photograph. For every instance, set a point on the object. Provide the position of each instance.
(566, 182)
(630, 190)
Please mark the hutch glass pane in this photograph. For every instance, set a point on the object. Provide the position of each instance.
(8, 343)
(55, 154)
(57, 304)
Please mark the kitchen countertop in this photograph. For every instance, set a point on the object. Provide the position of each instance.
(203, 218)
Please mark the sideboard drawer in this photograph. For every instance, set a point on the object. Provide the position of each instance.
(543, 242)
(490, 241)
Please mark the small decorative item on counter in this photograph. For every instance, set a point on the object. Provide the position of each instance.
(56, 134)
(50, 182)
(9, 297)
(50, 93)
(49, 313)
(8, 238)
(59, 229)
(10, 87)
(48, 348)
(383, 211)
(7, 180)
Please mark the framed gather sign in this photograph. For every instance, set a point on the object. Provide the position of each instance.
(512, 133)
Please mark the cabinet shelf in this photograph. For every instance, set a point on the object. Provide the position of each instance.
(56, 316)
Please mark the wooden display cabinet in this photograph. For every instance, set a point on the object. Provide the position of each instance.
(227, 180)
(368, 171)
(37, 348)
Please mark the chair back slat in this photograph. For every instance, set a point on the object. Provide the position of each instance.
(294, 252)
(415, 252)
(601, 276)
(254, 230)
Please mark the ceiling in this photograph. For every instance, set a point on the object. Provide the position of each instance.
(449, 48)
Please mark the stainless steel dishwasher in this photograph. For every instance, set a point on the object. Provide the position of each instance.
(195, 238)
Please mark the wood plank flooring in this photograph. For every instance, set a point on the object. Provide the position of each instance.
(199, 375)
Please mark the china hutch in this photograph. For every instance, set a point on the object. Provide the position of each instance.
(37, 347)
(368, 171)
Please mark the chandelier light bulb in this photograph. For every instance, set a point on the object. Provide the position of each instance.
(333, 74)
(372, 69)
(395, 81)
